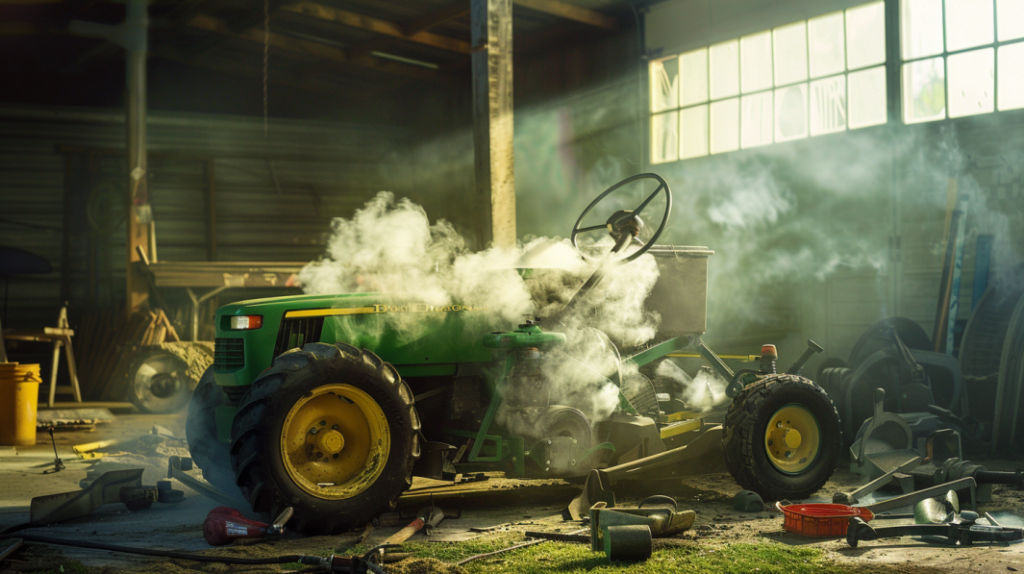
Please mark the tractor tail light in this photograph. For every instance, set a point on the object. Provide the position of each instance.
(246, 322)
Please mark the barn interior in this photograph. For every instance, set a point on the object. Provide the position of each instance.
(576, 269)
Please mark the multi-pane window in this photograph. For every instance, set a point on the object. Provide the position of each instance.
(961, 57)
(812, 77)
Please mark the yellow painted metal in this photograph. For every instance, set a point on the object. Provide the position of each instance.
(19, 401)
(792, 439)
(680, 427)
(328, 312)
(730, 357)
(95, 455)
(681, 416)
(89, 446)
(353, 450)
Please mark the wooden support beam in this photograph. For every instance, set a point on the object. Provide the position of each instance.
(336, 15)
(456, 9)
(316, 49)
(493, 154)
(571, 12)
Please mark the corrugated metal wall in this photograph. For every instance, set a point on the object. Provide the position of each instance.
(274, 195)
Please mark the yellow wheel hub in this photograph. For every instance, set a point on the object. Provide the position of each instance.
(335, 442)
(792, 439)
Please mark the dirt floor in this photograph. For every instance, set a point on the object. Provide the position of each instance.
(488, 508)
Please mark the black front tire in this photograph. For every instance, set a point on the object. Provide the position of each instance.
(256, 432)
(745, 427)
(209, 453)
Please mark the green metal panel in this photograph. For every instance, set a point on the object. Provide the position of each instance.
(402, 334)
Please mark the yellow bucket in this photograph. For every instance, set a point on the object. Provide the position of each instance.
(19, 399)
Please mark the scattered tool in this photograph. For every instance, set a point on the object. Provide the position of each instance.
(854, 497)
(123, 486)
(953, 468)
(823, 520)
(661, 519)
(937, 510)
(426, 520)
(58, 464)
(88, 450)
(224, 525)
(963, 533)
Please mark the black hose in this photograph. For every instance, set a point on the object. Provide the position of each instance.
(160, 553)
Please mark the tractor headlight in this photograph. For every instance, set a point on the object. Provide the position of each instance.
(246, 322)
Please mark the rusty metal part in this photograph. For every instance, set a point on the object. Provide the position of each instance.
(662, 522)
(176, 467)
(596, 489)
(10, 547)
(58, 464)
(106, 489)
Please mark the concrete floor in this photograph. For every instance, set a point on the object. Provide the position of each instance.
(515, 504)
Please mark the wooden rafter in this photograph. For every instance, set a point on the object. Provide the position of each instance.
(456, 9)
(570, 12)
(316, 49)
(376, 25)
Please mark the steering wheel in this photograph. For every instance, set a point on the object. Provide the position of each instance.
(622, 217)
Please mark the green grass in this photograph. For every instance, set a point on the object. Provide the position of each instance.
(695, 558)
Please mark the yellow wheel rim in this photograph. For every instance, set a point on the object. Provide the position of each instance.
(792, 439)
(335, 442)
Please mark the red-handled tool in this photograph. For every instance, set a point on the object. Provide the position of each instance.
(224, 525)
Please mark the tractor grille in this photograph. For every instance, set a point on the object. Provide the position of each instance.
(228, 355)
(297, 332)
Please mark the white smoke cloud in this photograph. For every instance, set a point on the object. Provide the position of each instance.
(702, 392)
(390, 247)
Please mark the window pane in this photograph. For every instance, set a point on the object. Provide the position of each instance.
(725, 125)
(664, 137)
(756, 121)
(920, 28)
(756, 62)
(694, 71)
(828, 105)
(693, 125)
(1011, 76)
(868, 98)
(826, 40)
(1011, 19)
(725, 70)
(972, 83)
(791, 113)
(664, 84)
(865, 35)
(924, 91)
(790, 53)
(969, 23)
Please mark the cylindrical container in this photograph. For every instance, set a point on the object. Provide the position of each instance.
(628, 543)
(19, 399)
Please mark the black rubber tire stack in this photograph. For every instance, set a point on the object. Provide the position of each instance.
(207, 452)
(745, 425)
(256, 433)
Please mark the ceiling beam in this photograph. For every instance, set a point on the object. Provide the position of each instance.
(376, 25)
(456, 9)
(308, 47)
(571, 12)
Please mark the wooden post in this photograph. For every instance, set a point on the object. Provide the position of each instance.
(211, 210)
(491, 39)
(139, 211)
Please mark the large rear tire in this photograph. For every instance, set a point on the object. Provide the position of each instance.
(209, 453)
(329, 430)
(782, 437)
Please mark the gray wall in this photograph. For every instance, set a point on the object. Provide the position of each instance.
(322, 170)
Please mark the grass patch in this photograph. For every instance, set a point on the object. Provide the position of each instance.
(682, 557)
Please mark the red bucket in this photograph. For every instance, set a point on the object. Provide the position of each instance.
(820, 520)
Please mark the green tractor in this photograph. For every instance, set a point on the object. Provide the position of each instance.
(332, 404)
